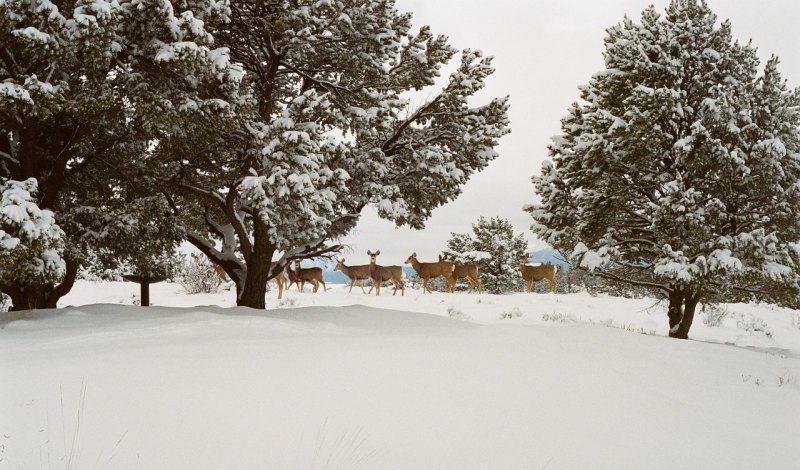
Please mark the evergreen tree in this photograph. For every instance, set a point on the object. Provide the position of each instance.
(86, 89)
(679, 169)
(324, 129)
(495, 248)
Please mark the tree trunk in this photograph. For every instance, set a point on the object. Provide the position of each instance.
(254, 290)
(37, 296)
(682, 306)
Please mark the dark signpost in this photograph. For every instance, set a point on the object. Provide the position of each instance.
(144, 283)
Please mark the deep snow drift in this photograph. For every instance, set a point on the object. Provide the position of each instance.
(332, 386)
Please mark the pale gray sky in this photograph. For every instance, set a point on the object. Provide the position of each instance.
(543, 50)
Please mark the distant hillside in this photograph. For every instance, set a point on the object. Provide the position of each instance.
(337, 277)
(548, 256)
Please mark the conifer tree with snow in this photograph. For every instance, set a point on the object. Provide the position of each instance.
(678, 170)
(495, 248)
(325, 128)
(86, 88)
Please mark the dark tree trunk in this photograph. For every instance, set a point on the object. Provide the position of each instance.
(682, 306)
(33, 296)
(258, 261)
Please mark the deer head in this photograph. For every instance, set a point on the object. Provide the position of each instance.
(373, 256)
(339, 265)
(411, 259)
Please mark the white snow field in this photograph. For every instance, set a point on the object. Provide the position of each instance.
(344, 381)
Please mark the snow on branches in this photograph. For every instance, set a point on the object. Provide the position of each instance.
(30, 240)
(679, 168)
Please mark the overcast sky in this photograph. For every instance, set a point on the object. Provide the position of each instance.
(543, 50)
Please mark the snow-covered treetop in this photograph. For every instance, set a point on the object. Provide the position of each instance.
(86, 87)
(329, 131)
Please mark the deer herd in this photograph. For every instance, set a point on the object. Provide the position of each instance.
(377, 274)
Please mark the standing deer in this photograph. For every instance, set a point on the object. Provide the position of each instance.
(428, 271)
(468, 271)
(379, 274)
(293, 279)
(221, 275)
(533, 274)
(280, 279)
(312, 275)
(355, 273)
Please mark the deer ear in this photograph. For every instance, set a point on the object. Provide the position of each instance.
(369, 253)
(414, 254)
(377, 252)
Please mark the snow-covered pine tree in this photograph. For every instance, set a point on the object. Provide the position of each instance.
(495, 248)
(330, 130)
(31, 242)
(679, 169)
(87, 86)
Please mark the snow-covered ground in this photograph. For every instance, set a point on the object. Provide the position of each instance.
(338, 380)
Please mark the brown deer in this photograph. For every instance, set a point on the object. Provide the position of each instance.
(428, 271)
(221, 275)
(280, 280)
(465, 271)
(312, 275)
(379, 274)
(355, 273)
(533, 274)
(293, 279)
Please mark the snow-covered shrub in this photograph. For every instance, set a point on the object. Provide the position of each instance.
(513, 313)
(456, 313)
(5, 302)
(290, 302)
(495, 248)
(198, 275)
(796, 320)
(753, 325)
(785, 379)
(559, 317)
(714, 314)
(31, 243)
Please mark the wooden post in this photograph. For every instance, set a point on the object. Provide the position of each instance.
(144, 285)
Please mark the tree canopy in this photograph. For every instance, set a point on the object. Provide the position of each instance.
(678, 170)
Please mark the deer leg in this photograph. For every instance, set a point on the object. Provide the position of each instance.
(361, 284)
(553, 284)
(530, 285)
(352, 281)
(324, 287)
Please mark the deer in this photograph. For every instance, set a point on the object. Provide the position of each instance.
(533, 274)
(303, 275)
(428, 271)
(293, 279)
(468, 271)
(379, 274)
(355, 273)
(221, 275)
(280, 279)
